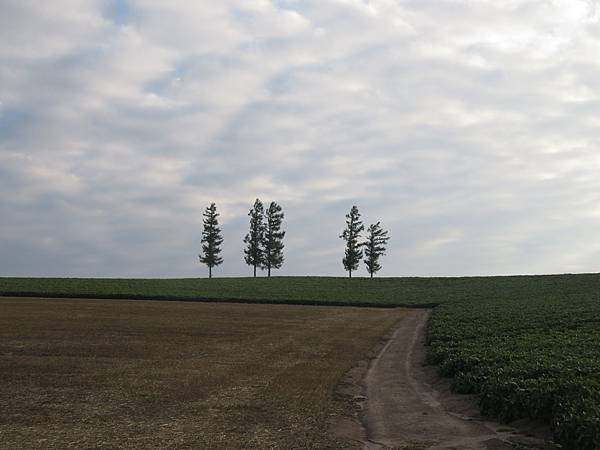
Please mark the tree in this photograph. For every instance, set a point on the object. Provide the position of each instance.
(374, 247)
(211, 239)
(254, 254)
(351, 234)
(273, 239)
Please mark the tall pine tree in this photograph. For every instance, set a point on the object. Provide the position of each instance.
(273, 242)
(254, 254)
(351, 235)
(211, 239)
(374, 246)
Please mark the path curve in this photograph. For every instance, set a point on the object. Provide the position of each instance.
(403, 411)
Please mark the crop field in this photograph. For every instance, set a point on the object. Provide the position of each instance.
(529, 346)
(536, 357)
(106, 373)
(310, 290)
(297, 290)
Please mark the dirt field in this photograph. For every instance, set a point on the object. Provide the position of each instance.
(83, 373)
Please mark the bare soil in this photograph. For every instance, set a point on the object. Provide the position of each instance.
(407, 406)
(143, 374)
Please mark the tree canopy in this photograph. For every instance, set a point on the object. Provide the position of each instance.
(374, 246)
(273, 238)
(211, 239)
(351, 234)
(254, 252)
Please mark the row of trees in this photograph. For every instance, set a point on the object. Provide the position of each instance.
(264, 241)
(374, 244)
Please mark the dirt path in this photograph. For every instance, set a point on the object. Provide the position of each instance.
(402, 410)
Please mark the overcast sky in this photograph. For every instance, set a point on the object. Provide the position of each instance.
(471, 129)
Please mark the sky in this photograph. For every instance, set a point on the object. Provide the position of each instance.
(469, 128)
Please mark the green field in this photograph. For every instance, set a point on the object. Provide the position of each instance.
(298, 290)
(528, 345)
(314, 290)
(527, 356)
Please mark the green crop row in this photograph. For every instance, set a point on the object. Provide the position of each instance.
(536, 357)
(408, 291)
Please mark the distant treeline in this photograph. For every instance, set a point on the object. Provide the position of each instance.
(264, 240)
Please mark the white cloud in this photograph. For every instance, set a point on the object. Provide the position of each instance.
(468, 128)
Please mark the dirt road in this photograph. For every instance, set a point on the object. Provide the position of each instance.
(402, 410)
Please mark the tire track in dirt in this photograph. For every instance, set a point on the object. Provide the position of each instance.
(403, 411)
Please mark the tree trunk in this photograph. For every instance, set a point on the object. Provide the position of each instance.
(254, 270)
(371, 274)
(209, 272)
(349, 273)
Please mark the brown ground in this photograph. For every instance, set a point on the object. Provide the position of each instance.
(408, 407)
(96, 373)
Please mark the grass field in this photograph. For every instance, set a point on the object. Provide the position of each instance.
(312, 290)
(528, 345)
(105, 373)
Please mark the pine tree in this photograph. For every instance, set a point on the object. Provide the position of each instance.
(273, 241)
(375, 247)
(254, 253)
(211, 239)
(351, 234)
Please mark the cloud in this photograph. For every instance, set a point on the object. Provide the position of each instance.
(468, 128)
